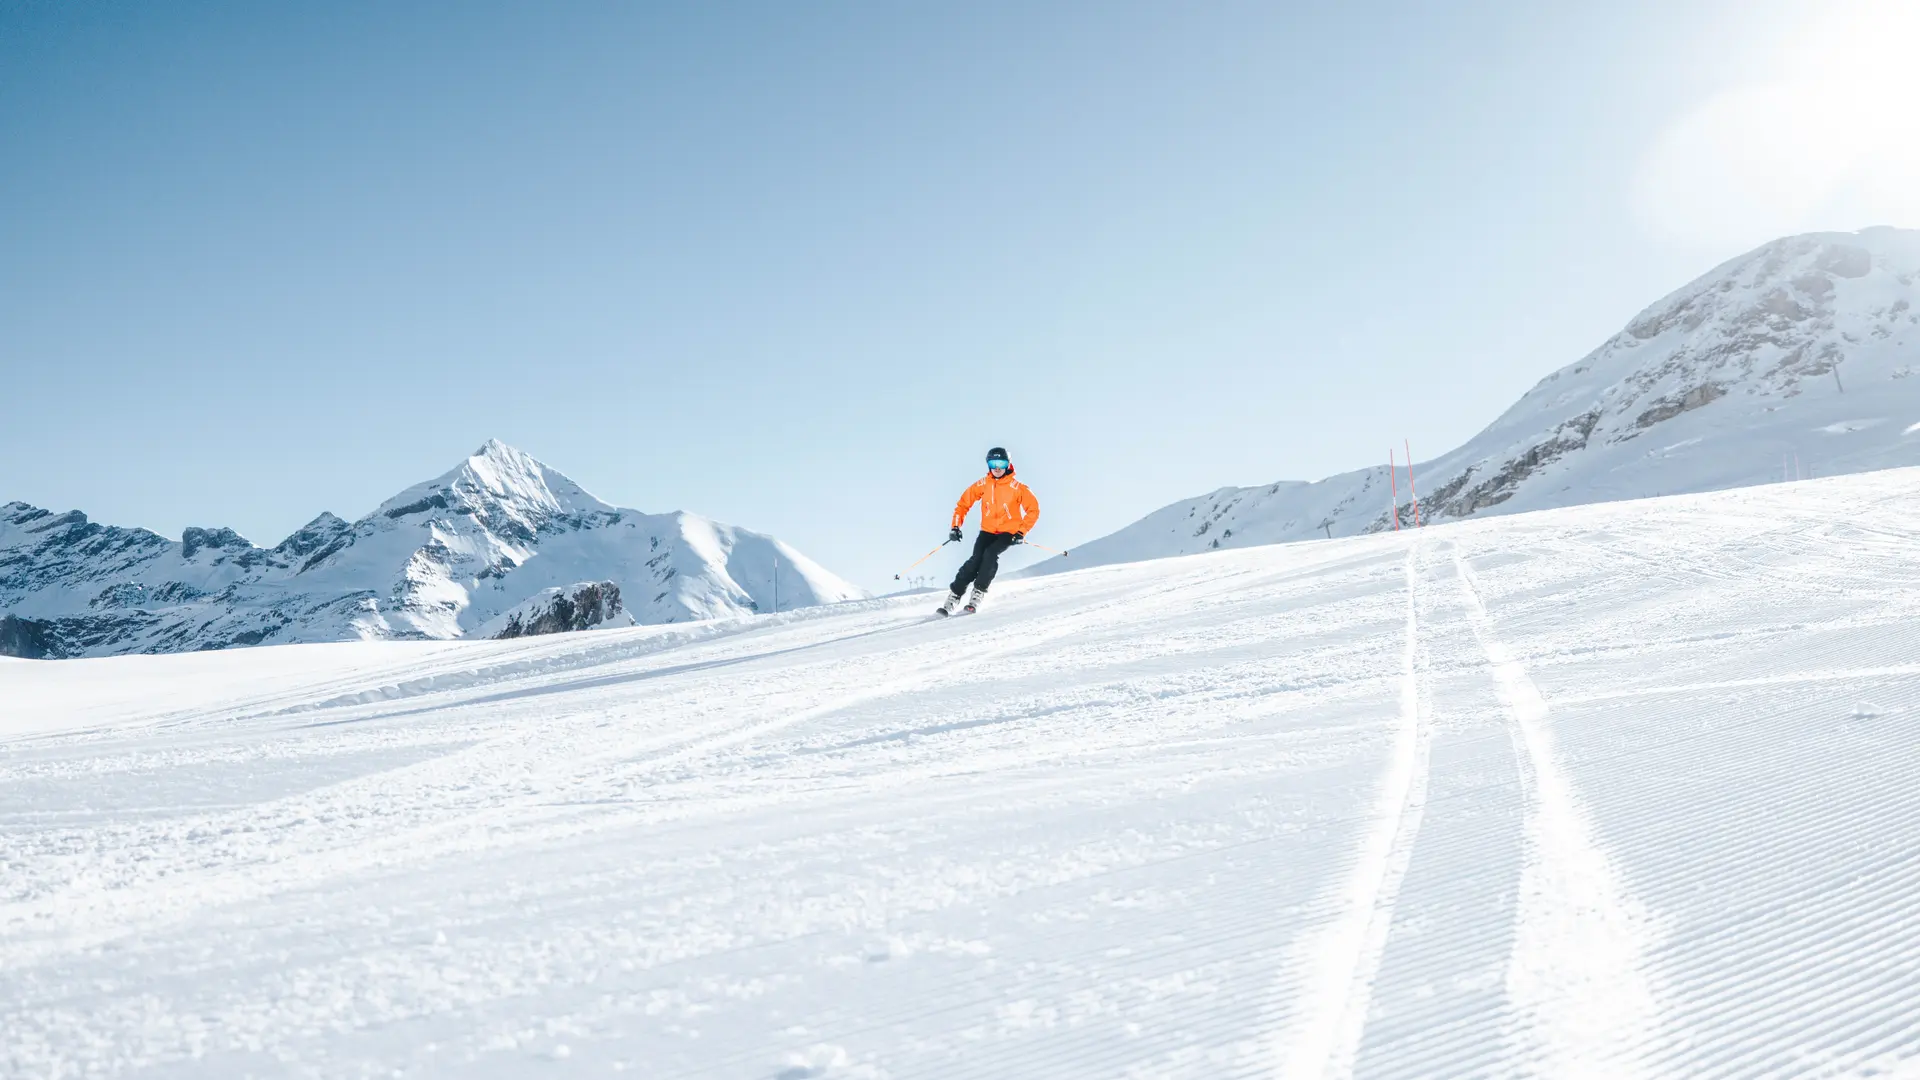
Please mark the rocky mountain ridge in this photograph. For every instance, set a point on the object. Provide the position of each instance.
(1794, 359)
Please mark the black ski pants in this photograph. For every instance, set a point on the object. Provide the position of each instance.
(980, 567)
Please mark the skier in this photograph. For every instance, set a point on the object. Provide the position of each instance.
(1008, 512)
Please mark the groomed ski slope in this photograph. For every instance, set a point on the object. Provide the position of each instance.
(1627, 790)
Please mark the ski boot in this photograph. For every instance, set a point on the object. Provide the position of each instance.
(953, 600)
(973, 602)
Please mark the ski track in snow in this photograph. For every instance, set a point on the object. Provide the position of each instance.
(1621, 790)
(1324, 1037)
(1577, 974)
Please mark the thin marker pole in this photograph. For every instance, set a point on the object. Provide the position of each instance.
(1393, 478)
(924, 558)
(1410, 488)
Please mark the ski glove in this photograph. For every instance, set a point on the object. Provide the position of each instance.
(1019, 538)
(954, 536)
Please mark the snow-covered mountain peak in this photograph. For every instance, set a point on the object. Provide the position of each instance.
(1763, 324)
(505, 489)
(1793, 359)
(502, 473)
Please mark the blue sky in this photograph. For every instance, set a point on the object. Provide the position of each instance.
(796, 266)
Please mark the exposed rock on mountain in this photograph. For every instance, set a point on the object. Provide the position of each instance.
(1798, 356)
(436, 561)
(582, 606)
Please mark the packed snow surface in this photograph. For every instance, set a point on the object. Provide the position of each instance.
(1617, 791)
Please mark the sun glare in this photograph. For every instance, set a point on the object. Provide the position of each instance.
(1828, 139)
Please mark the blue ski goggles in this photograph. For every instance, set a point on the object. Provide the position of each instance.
(999, 463)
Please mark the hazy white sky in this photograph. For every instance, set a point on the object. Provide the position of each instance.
(798, 266)
(1822, 131)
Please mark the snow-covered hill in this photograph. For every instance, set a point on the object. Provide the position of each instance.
(1620, 791)
(435, 561)
(1800, 355)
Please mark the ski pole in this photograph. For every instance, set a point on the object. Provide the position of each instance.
(1044, 547)
(924, 558)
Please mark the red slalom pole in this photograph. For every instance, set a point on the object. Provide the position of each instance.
(1415, 491)
(1394, 479)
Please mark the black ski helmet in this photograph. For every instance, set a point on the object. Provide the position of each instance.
(999, 453)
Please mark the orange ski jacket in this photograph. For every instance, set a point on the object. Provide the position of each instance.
(1006, 505)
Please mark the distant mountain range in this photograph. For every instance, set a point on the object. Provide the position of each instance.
(1800, 357)
(442, 559)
